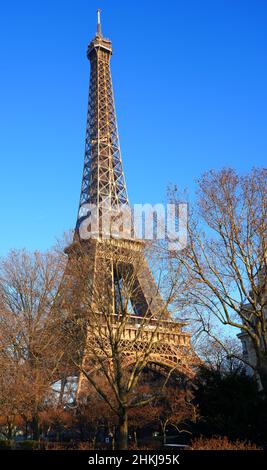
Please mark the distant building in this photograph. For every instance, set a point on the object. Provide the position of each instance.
(248, 350)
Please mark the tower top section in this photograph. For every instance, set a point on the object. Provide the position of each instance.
(99, 42)
(103, 183)
(99, 33)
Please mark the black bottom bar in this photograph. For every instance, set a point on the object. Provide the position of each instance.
(123, 459)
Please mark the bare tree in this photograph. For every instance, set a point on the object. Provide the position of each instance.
(174, 409)
(94, 414)
(29, 353)
(104, 337)
(12, 399)
(223, 355)
(225, 262)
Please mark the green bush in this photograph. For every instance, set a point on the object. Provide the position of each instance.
(28, 445)
(5, 445)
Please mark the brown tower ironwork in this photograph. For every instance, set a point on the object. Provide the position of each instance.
(103, 181)
(103, 184)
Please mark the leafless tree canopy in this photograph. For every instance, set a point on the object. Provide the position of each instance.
(225, 262)
(29, 355)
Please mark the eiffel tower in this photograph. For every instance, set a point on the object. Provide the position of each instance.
(103, 186)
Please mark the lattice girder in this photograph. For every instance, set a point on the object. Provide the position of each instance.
(103, 177)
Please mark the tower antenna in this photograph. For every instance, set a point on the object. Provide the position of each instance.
(99, 22)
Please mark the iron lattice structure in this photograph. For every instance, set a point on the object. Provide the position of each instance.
(103, 184)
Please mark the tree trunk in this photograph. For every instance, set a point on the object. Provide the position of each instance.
(164, 436)
(135, 438)
(35, 428)
(9, 431)
(94, 441)
(62, 391)
(163, 427)
(122, 443)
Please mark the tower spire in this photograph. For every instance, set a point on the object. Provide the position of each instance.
(99, 32)
(103, 182)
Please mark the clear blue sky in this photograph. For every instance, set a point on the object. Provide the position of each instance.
(190, 82)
